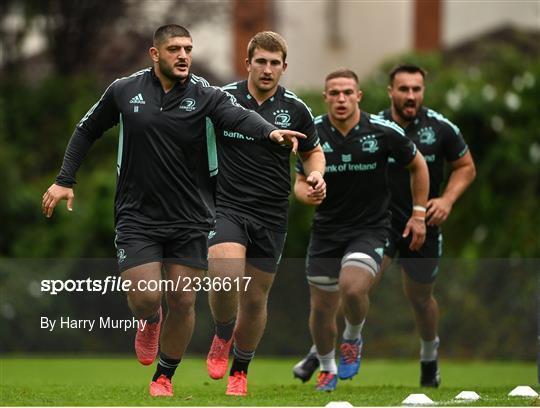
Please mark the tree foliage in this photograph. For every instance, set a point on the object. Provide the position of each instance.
(494, 102)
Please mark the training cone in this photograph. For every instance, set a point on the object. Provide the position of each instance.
(339, 404)
(467, 396)
(523, 391)
(417, 399)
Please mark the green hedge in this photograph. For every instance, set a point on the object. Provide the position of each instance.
(495, 104)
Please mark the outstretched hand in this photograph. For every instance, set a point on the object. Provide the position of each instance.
(286, 137)
(53, 195)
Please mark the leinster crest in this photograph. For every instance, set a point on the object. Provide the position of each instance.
(427, 135)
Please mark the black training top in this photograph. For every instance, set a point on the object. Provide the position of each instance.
(357, 193)
(254, 175)
(438, 140)
(165, 153)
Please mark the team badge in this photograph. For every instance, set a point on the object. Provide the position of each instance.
(187, 105)
(427, 135)
(370, 146)
(282, 118)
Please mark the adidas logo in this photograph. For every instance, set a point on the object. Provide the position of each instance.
(137, 99)
(327, 148)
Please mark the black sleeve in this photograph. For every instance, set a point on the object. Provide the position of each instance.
(102, 116)
(454, 144)
(402, 149)
(307, 127)
(228, 114)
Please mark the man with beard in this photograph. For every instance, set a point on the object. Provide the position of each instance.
(439, 140)
(252, 201)
(351, 226)
(164, 205)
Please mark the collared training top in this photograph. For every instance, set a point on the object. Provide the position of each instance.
(165, 154)
(357, 195)
(438, 140)
(254, 177)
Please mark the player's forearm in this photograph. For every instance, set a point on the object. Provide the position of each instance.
(419, 181)
(460, 178)
(76, 151)
(301, 188)
(313, 161)
(255, 126)
(102, 116)
(228, 114)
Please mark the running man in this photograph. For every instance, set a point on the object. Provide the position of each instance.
(439, 140)
(351, 226)
(253, 189)
(163, 206)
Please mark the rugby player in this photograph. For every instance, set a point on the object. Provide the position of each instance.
(164, 203)
(252, 200)
(351, 226)
(440, 141)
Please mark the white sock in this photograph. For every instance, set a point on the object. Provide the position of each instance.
(428, 349)
(353, 331)
(328, 362)
(313, 349)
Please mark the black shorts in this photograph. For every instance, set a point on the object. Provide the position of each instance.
(263, 246)
(327, 255)
(137, 246)
(421, 266)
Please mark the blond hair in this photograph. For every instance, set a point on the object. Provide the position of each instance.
(269, 41)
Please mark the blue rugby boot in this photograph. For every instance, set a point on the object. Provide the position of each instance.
(349, 359)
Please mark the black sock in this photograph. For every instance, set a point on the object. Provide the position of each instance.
(166, 366)
(241, 360)
(225, 330)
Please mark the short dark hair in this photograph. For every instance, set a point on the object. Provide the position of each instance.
(409, 68)
(167, 31)
(342, 73)
(269, 41)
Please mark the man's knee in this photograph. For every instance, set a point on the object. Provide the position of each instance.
(224, 296)
(419, 294)
(356, 286)
(144, 300)
(181, 302)
(254, 295)
(420, 300)
(322, 311)
(253, 304)
(141, 278)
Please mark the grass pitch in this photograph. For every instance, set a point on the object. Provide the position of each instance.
(122, 381)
